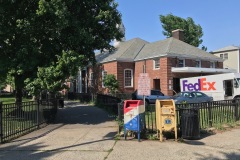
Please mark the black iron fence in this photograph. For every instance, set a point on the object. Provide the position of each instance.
(19, 119)
(82, 97)
(88, 97)
(108, 103)
(211, 114)
(123, 96)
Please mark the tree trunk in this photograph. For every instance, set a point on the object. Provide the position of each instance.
(19, 84)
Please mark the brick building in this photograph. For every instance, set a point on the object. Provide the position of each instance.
(165, 61)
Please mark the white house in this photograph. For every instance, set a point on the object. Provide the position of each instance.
(231, 56)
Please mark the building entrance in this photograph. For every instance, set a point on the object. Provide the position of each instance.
(156, 84)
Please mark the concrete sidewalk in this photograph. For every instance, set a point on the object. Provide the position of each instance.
(220, 146)
(79, 132)
(84, 132)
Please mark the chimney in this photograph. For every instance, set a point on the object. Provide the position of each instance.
(178, 34)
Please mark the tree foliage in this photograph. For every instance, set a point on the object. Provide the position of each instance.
(42, 42)
(111, 83)
(192, 32)
(2, 85)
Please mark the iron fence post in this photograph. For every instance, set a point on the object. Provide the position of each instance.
(1, 124)
(236, 115)
(120, 117)
(210, 116)
(119, 127)
(38, 112)
(58, 99)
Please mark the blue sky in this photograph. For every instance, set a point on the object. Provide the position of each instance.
(219, 19)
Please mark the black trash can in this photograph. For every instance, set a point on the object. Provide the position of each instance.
(61, 103)
(190, 127)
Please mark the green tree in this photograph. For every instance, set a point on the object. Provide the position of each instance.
(3, 82)
(192, 32)
(2, 85)
(111, 83)
(54, 37)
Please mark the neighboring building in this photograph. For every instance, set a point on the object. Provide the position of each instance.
(165, 61)
(231, 57)
(8, 88)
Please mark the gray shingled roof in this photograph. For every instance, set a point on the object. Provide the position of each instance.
(127, 50)
(137, 49)
(228, 48)
(172, 47)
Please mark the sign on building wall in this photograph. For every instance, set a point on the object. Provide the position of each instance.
(144, 84)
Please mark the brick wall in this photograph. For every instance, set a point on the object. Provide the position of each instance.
(166, 75)
(121, 66)
(117, 69)
(97, 76)
(153, 73)
(163, 74)
(110, 68)
(160, 74)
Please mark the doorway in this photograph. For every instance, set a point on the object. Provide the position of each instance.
(176, 85)
(156, 84)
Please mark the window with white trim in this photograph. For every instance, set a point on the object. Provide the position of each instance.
(221, 56)
(181, 63)
(198, 63)
(128, 78)
(212, 64)
(225, 56)
(104, 74)
(156, 63)
(91, 79)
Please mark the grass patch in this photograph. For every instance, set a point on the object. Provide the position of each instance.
(8, 100)
(152, 136)
(219, 115)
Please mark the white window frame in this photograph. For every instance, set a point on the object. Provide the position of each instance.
(131, 78)
(104, 74)
(156, 63)
(212, 64)
(225, 56)
(183, 62)
(91, 79)
(222, 56)
(198, 64)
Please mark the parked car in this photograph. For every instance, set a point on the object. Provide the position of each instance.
(191, 97)
(151, 99)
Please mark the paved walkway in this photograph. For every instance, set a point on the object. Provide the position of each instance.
(84, 132)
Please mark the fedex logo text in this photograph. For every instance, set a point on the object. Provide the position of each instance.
(201, 85)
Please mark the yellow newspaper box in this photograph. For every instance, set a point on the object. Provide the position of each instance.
(166, 117)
